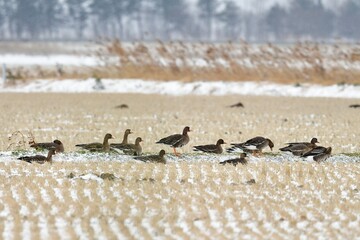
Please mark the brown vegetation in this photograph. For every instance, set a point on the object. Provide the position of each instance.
(299, 63)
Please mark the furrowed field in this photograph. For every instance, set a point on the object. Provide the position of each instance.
(180, 200)
(275, 196)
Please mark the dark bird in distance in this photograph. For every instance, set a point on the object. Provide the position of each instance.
(239, 104)
(354, 106)
(122, 106)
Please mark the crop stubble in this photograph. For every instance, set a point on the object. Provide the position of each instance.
(180, 199)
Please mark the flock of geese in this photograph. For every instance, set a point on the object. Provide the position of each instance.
(252, 146)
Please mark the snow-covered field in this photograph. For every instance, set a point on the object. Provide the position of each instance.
(276, 196)
(24, 60)
(179, 200)
(81, 157)
(185, 88)
(273, 197)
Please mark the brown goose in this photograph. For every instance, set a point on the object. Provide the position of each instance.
(176, 140)
(299, 148)
(318, 154)
(354, 106)
(239, 104)
(160, 158)
(132, 149)
(235, 161)
(124, 141)
(211, 148)
(39, 158)
(96, 146)
(57, 144)
(253, 145)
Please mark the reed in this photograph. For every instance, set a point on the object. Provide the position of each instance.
(303, 62)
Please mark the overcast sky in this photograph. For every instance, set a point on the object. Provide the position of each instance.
(263, 5)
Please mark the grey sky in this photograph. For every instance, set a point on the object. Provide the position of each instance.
(263, 5)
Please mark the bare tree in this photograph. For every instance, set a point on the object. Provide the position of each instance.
(207, 9)
(230, 16)
(276, 20)
(78, 14)
(346, 23)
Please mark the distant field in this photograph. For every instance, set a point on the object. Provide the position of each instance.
(273, 197)
(233, 61)
(81, 118)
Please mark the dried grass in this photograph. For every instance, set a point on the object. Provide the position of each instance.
(299, 63)
(304, 62)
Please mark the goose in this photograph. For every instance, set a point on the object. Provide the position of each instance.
(131, 148)
(57, 144)
(124, 141)
(235, 161)
(160, 158)
(253, 145)
(96, 146)
(39, 158)
(176, 140)
(211, 148)
(318, 154)
(299, 148)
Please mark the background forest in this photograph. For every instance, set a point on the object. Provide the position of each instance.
(190, 20)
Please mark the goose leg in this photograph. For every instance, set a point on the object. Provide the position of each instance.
(176, 154)
(257, 153)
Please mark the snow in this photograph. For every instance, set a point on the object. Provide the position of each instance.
(112, 222)
(186, 157)
(61, 225)
(176, 88)
(140, 213)
(48, 60)
(26, 233)
(95, 225)
(89, 176)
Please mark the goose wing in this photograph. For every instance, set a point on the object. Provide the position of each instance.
(210, 148)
